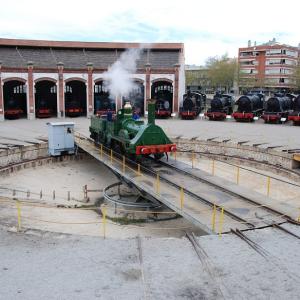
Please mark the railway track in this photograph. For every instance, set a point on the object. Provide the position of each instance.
(237, 206)
(286, 231)
(223, 158)
(268, 256)
(141, 263)
(208, 268)
(200, 195)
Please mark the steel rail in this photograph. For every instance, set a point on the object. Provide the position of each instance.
(251, 201)
(153, 174)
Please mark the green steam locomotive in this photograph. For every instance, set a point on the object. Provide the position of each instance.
(131, 137)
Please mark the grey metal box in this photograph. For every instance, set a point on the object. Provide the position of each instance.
(60, 138)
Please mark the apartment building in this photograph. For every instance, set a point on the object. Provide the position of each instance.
(270, 66)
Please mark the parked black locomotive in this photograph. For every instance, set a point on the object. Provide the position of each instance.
(12, 109)
(104, 105)
(295, 114)
(162, 108)
(249, 107)
(220, 106)
(193, 103)
(42, 109)
(277, 108)
(73, 108)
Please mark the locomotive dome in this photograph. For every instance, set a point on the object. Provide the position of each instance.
(68, 76)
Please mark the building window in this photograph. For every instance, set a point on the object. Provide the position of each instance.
(68, 89)
(281, 80)
(100, 88)
(53, 89)
(20, 89)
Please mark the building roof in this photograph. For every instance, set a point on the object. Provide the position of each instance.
(272, 44)
(16, 53)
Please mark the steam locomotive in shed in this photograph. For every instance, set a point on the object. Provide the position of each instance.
(131, 137)
(220, 106)
(193, 103)
(295, 114)
(277, 108)
(162, 109)
(12, 109)
(42, 109)
(163, 94)
(249, 107)
(104, 105)
(73, 108)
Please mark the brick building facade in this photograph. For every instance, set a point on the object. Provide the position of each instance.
(270, 66)
(53, 69)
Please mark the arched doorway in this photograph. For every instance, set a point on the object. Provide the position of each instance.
(102, 101)
(15, 100)
(162, 91)
(136, 98)
(45, 99)
(75, 98)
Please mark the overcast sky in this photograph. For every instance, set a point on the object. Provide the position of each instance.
(207, 27)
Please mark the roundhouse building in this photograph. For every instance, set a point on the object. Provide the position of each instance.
(56, 72)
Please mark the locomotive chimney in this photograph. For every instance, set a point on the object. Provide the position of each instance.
(151, 111)
(249, 43)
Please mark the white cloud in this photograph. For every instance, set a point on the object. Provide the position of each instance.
(207, 28)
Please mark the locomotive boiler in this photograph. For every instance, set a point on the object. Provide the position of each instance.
(131, 137)
(248, 107)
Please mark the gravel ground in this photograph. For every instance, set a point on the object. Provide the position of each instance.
(273, 135)
(56, 266)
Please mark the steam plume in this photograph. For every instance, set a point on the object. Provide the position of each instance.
(117, 78)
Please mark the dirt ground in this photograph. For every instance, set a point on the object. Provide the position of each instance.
(71, 176)
(41, 265)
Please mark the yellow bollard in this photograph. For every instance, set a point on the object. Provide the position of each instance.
(213, 221)
(101, 150)
(139, 170)
(238, 175)
(268, 186)
(181, 197)
(124, 164)
(213, 168)
(18, 204)
(157, 183)
(103, 209)
(111, 156)
(221, 222)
